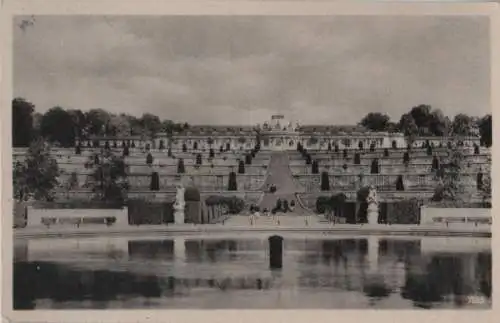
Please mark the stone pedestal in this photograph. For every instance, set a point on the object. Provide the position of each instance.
(372, 213)
(179, 216)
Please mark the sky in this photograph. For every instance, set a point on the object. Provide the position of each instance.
(241, 70)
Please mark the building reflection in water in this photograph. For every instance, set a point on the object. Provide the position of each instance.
(374, 268)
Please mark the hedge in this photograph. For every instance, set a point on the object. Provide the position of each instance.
(325, 181)
(404, 212)
(232, 183)
(234, 204)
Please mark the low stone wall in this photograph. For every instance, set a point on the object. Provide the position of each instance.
(38, 217)
(431, 215)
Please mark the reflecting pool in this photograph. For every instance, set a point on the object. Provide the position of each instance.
(212, 272)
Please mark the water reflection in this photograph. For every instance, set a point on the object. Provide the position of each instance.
(233, 273)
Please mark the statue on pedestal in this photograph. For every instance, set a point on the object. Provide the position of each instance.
(179, 205)
(372, 200)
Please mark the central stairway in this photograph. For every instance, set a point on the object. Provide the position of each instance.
(280, 175)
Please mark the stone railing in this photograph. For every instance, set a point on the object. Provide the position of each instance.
(391, 160)
(353, 169)
(205, 182)
(411, 182)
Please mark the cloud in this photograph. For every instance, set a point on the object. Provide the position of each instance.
(236, 70)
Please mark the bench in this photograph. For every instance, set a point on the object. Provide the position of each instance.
(48, 221)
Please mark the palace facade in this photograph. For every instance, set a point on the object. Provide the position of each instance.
(276, 135)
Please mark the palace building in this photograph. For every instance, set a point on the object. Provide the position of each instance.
(277, 134)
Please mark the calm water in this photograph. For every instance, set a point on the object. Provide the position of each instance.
(211, 272)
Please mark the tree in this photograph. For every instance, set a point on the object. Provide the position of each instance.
(22, 122)
(36, 177)
(119, 125)
(241, 167)
(422, 116)
(180, 166)
(149, 159)
(375, 121)
(97, 119)
(451, 187)
(151, 124)
(408, 126)
(462, 125)
(232, 184)
(315, 167)
(110, 178)
(439, 125)
(485, 130)
(325, 182)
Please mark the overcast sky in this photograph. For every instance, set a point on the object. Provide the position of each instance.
(240, 70)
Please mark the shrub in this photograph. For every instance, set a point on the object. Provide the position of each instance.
(404, 212)
(325, 181)
(234, 204)
(406, 158)
(399, 183)
(375, 167)
(149, 159)
(322, 204)
(435, 163)
(429, 150)
(315, 167)
(232, 183)
(308, 159)
(192, 194)
(241, 167)
(357, 159)
(155, 182)
(180, 166)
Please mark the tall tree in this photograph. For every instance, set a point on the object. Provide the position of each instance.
(57, 126)
(375, 121)
(463, 125)
(36, 177)
(151, 124)
(439, 124)
(79, 123)
(97, 119)
(422, 116)
(485, 130)
(110, 177)
(22, 122)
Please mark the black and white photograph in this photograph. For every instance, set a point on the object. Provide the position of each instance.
(200, 162)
